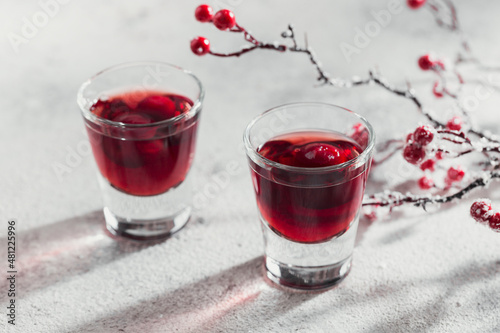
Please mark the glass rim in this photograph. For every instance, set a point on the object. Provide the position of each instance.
(96, 119)
(252, 153)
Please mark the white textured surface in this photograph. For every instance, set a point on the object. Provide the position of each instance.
(417, 272)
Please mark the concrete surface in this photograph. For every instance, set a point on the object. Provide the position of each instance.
(414, 272)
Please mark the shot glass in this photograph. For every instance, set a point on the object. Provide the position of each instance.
(309, 215)
(141, 119)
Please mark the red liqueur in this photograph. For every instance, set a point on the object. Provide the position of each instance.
(144, 149)
(318, 201)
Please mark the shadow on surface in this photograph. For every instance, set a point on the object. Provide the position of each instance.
(423, 318)
(419, 314)
(204, 305)
(52, 253)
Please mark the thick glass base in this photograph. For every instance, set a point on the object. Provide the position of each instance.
(307, 278)
(145, 230)
(146, 217)
(308, 266)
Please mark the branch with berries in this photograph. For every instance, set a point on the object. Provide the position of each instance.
(432, 148)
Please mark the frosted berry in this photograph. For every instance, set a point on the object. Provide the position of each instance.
(494, 222)
(224, 19)
(204, 13)
(428, 165)
(413, 153)
(425, 183)
(454, 124)
(423, 135)
(425, 62)
(415, 4)
(200, 46)
(455, 174)
(481, 210)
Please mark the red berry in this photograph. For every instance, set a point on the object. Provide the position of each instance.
(481, 210)
(428, 165)
(149, 148)
(110, 109)
(415, 4)
(316, 155)
(413, 153)
(494, 222)
(138, 118)
(425, 183)
(200, 46)
(439, 155)
(425, 62)
(123, 153)
(455, 174)
(423, 135)
(454, 124)
(159, 107)
(99, 107)
(224, 19)
(204, 13)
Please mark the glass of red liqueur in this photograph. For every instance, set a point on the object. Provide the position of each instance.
(141, 119)
(309, 164)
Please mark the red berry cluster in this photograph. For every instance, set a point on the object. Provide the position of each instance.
(417, 149)
(426, 63)
(414, 151)
(224, 19)
(482, 212)
(427, 145)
